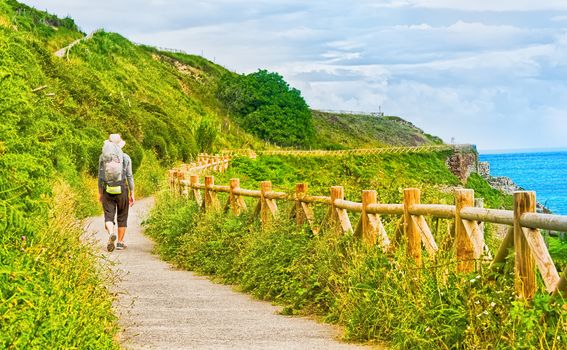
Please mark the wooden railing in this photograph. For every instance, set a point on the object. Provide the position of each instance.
(523, 235)
(204, 164)
(356, 151)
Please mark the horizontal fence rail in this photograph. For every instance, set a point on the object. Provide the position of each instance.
(523, 236)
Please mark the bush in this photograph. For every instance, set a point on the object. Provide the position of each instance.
(266, 106)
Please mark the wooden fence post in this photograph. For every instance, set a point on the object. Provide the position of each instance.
(337, 192)
(368, 230)
(302, 211)
(195, 193)
(300, 190)
(524, 263)
(463, 242)
(412, 196)
(371, 228)
(268, 207)
(216, 160)
(339, 217)
(181, 175)
(210, 201)
(235, 202)
(227, 159)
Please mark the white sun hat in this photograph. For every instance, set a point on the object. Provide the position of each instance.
(115, 138)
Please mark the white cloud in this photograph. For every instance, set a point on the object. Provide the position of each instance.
(478, 5)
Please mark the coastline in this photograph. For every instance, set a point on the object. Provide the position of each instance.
(505, 184)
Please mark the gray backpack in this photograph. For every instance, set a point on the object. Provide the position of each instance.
(113, 165)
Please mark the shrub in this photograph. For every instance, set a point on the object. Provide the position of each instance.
(266, 106)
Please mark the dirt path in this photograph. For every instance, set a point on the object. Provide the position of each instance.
(63, 51)
(164, 308)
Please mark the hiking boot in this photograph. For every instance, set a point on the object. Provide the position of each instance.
(121, 246)
(111, 240)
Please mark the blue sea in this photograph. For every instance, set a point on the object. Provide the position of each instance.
(543, 172)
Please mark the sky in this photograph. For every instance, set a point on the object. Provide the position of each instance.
(486, 72)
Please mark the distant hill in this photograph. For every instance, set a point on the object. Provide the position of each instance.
(338, 131)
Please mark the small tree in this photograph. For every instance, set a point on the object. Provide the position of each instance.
(265, 105)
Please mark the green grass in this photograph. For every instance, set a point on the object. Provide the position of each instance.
(343, 131)
(388, 174)
(492, 197)
(52, 293)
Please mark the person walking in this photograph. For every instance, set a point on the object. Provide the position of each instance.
(115, 189)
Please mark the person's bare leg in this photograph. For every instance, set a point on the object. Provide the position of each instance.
(121, 233)
(109, 226)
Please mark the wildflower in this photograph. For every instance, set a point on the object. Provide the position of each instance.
(492, 304)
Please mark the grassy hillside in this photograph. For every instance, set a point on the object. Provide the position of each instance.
(341, 131)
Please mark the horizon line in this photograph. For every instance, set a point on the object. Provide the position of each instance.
(522, 150)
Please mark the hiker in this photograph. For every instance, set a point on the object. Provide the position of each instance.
(115, 188)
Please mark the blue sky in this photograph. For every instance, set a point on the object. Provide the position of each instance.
(492, 73)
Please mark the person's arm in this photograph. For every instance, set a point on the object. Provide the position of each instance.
(100, 178)
(130, 179)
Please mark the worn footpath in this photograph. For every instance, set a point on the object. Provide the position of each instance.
(161, 307)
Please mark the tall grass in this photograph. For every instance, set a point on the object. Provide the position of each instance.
(52, 294)
(376, 296)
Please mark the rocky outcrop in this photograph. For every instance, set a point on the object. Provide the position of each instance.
(463, 162)
(484, 169)
(505, 184)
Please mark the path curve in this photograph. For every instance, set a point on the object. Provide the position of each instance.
(160, 307)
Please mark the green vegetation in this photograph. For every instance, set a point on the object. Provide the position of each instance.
(51, 291)
(169, 107)
(375, 296)
(343, 131)
(492, 197)
(55, 115)
(389, 174)
(266, 106)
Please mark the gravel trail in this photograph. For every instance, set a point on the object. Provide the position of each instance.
(161, 307)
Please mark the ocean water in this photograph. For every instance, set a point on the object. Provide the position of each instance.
(542, 172)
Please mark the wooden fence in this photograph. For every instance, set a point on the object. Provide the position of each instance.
(523, 235)
(356, 151)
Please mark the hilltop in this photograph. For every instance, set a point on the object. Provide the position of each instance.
(341, 130)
